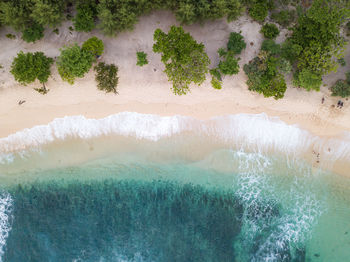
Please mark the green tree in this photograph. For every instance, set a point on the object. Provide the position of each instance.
(270, 31)
(84, 19)
(215, 83)
(229, 66)
(236, 43)
(94, 46)
(308, 80)
(48, 12)
(284, 17)
(73, 62)
(33, 33)
(341, 88)
(185, 60)
(27, 67)
(141, 58)
(106, 77)
(259, 11)
(271, 47)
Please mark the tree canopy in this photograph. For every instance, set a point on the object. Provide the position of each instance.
(185, 60)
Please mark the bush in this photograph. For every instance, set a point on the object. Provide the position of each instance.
(141, 59)
(236, 43)
(285, 17)
(284, 66)
(84, 19)
(222, 52)
(230, 65)
(290, 51)
(106, 77)
(264, 77)
(33, 33)
(94, 46)
(259, 11)
(308, 80)
(341, 61)
(271, 47)
(216, 73)
(26, 68)
(215, 83)
(185, 60)
(11, 36)
(270, 31)
(73, 62)
(341, 88)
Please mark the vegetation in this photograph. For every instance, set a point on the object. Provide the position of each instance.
(215, 83)
(341, 61)
(235, 43)
(73, 62)
(270, 31)
(259, 11)
(94, 46)
(141, 58)
(229, 66)
(84, 21)
(284, 17)
(33, 33)
(271, 47)
(106, 77)
(27, 67)
(318, 40)
(185, 60)
(341, 88)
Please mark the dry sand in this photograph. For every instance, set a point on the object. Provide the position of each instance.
(146, 89)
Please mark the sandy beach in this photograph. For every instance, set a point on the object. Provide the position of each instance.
(146, 89)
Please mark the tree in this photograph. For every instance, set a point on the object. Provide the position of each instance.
(49, 13)
(185, 60)
(215, 83)
(230, 65)
(341, 88)
(33, 33)
(106, 77)
(271, 47)
(84, 19)
(308, 80)
(259, 11)
(141, 59)
(270, 31)
(94, 46)
(73, 62)
(236, 43)
(27, 67)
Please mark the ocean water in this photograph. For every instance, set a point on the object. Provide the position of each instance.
(134, 187)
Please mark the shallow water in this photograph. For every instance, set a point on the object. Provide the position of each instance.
(180, 195)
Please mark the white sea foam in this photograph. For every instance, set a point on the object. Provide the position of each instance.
(5, 213)
(256, 132)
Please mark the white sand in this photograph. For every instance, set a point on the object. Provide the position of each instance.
(146, 89)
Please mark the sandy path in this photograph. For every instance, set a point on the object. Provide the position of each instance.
(146, 89)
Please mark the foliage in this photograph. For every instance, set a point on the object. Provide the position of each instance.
(84, 19)
(10, 36)
(73, 62)
(229, 66)
(56, 31)
(94, 46)
(141, 59)
(215, 83)
(185, 60)
(284, 66)
(270, 31)
(222, 52)
(264, 76)
(318, 35)
(308, 80)
(27, 67)
(271, 47)
(236, 43)
(341, 61)
(49, 13)
(284, 17)
(107, 77)
(33, 33)
(215, 73)
(259, 11)
(341, 88)
(290, 51)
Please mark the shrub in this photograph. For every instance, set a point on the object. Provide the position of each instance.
(284, 17)
(26, 68)
(222, 52)
(284, 66)
(271, 47)
(94, 46)
(10, 36)
(141, 59)
(215, 73)
(290, 51)
(264, 77)
(230, 65)
(185, 60)
(341, 88)
(215, 83)
(341, 61)
(308, 80)
(236, 43)
(73, 62)
(270, 31)
(259, 11)
(106, 77)
(84, 19)
(33, 33)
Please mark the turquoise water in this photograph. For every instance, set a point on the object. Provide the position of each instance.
(180, 198)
